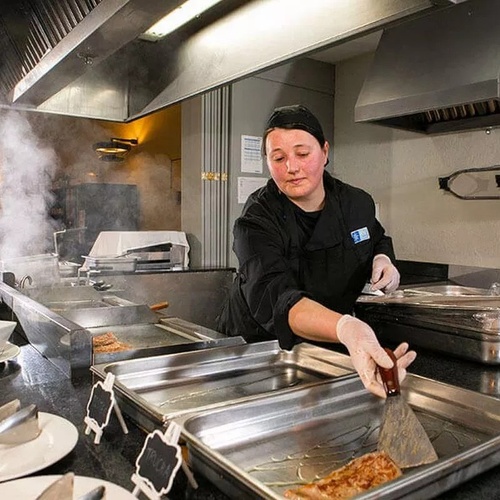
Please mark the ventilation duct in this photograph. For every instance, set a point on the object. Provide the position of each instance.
(438, 73)
(88, 57)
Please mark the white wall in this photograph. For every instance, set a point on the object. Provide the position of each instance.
(401, 169)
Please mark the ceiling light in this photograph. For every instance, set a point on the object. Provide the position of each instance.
(116, 149)
(177, 18)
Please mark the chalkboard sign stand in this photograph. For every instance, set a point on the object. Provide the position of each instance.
(102, 400)
(158, 463)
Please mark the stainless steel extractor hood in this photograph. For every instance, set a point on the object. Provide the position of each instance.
(438, 73)
(88, 58)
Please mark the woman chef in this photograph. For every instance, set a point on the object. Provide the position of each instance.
(306, 244)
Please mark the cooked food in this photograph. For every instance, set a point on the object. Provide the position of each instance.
(107, 342)
(358, 476)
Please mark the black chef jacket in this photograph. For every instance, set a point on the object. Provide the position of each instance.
(276, 270)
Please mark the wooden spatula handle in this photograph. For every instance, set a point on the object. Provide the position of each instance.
(159, 306)
(389, 376)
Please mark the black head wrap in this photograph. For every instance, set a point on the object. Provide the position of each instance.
(293, 117)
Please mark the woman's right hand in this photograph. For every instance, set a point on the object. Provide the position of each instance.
(367, 354)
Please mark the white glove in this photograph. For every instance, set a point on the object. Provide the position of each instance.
(385, 276)
(366, 353)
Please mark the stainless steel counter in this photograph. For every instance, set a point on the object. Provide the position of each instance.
(61, 321)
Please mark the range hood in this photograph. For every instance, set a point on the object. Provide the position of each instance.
(87, 57)
(438, 73)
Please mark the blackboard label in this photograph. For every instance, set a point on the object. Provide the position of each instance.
(101, 402)
(158, 462)
(100, 405)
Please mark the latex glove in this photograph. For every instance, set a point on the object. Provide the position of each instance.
(366, 353)
(385, 276)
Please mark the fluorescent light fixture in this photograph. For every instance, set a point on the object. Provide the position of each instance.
(178, 17)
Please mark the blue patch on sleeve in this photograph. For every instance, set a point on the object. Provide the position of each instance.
(360, 235)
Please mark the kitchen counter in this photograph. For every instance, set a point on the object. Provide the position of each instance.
(33, 379)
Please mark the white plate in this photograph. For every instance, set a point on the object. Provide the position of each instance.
(57, 439)
(9, 351)
(28, 488)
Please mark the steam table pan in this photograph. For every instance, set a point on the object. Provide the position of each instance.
(154, 390)
(258, 449)
(453, 319)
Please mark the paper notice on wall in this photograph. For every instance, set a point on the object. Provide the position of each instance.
(247, 185)
(251, 157)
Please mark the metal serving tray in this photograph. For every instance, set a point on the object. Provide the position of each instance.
(443, 334)
(122, 264)
(157, 389)
(457, 320)
(458, 298)
(261, 448)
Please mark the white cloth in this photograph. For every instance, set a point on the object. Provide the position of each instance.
(117, 243)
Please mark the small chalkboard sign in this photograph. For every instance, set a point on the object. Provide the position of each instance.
(100, 405)
(158, 463)
(101, 402)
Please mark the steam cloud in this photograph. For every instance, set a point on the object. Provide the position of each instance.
(26, 170)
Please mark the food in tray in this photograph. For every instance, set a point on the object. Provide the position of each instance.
(107, 342)
(358, 476)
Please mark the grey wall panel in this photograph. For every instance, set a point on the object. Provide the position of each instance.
(191, 213)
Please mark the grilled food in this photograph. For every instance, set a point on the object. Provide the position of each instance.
(107, 342)
(358, 476)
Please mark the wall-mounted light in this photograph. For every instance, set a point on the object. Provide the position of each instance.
(116, 149)
(177, 18)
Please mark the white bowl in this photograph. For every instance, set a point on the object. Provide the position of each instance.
(6, 329)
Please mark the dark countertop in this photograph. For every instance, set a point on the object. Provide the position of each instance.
(33, 379)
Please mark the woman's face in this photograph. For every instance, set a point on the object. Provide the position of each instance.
(296, 162)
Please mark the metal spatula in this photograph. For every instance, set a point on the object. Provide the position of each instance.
(20, 427)
(9, 409)
(402, 436)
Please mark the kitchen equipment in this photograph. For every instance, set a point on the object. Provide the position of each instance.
(443, 99)
(43, 269)
(154, 390)
(402, 436)
(489, 321)
(61, 322)
(160, 256)
(84, 488)
(448, 318)
(9, 409)
(20, 427)
(96, 494)
(110, 264)
(259, 448)
(68, 269)
(159, 306)
(150, 250)
(61, 488)
(58, 438)
(9, 351)
(6, 329)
